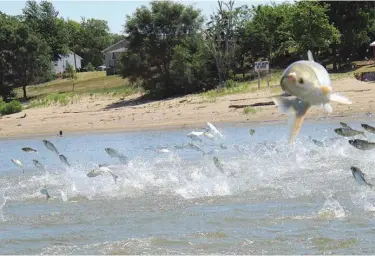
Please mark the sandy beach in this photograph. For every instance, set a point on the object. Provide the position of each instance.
(104, 114)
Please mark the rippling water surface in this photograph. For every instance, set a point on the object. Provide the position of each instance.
(272, 198)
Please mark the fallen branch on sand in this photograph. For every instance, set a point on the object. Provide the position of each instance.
(269, 103)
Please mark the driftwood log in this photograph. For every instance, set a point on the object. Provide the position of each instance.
(269, 103)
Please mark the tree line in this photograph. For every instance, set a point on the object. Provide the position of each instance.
(173, 50)
(31, 41)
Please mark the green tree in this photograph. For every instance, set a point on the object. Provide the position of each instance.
(153, 34)
(25, 57)
(7, 57)
(42, 19)
(221, 37)
(114, 38)
(32, 58)
(310, 27)
(355, 21)
(267, 33)
(95, 37)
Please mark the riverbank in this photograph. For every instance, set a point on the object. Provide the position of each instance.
(98, 113)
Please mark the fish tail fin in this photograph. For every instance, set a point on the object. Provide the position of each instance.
(340, 99)
(310, 56)
(300, 109)
(297, 122)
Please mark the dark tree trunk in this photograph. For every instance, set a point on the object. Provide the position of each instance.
(24, 92)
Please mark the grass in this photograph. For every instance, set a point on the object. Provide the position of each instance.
(53, 99)
(59, 92)
(249, 110)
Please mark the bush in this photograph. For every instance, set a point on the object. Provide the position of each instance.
(90, 67)
(230, 84)
(10, 108)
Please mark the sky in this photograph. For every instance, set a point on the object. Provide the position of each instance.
(112, 11)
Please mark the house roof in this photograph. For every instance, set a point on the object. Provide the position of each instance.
(108, 48)
(372, 44)
(122, 49)
(70, 52)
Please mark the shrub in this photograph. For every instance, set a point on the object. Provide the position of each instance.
(10, 108)
(230, 84)
(90, 67)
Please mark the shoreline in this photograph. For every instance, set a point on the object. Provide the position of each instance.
(101, 115)
(200, 125)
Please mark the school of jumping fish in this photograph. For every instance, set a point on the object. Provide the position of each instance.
(309, 85)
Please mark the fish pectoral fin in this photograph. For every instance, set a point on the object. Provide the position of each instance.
(284, 104)
(340, 99)
(300, 109)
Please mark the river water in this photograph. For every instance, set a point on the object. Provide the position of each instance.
(270, 197)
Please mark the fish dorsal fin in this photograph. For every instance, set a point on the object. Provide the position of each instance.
(310, 56)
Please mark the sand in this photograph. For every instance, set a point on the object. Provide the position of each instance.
(105, 114)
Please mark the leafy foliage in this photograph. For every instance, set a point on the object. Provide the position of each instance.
(10, 108)
(154, 33)
(171, 50)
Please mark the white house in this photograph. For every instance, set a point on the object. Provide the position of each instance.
(61, 65)
(113, 52)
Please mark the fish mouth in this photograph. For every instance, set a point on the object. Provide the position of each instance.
(292, 76)
(351, 142)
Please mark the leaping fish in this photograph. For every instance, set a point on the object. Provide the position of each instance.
(64, 160)
(348, 132)
(362, 144)
(368, 128)
(196, 147)
(359, 176)
(50, 146)
(195, 135)
(19, 164)
(211, 128)
(39, 165)
(100, 171)
(310, 84)
(28, 149)
(114, 153)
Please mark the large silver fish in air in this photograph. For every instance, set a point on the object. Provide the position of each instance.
(310, 84)
(100, 171)
(50, 146)
(114, 153)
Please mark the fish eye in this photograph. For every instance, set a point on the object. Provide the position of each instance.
(300, 80)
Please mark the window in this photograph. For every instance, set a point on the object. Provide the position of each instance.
(113, 56)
